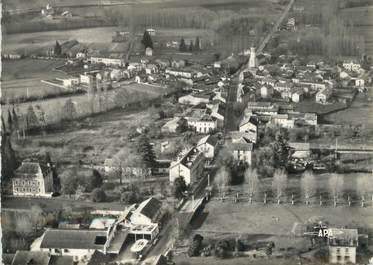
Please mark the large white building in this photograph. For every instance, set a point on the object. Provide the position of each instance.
(208, 145)
(323, 95)
(189, 165)
(342, 245)
(241, 148)
(33, 179)
(80, 244)
(108, 61)
(205, 124)
(352, 66)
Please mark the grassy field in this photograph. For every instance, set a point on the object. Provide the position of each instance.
(29, 42)
(92, 139)
(53, 108)
(11, 4)
(360, 112)
(20, 75)
(277, 220)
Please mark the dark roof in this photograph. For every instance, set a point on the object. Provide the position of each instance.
(61, 260)
(221, 109)
(254, 120)
(213, 140)
(98, 258)
(28, 168)
(31, 258)
(150, 208)
(72, 239)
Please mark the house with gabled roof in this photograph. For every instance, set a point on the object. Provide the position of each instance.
(342, 245)
(249, 125)
(205, 124)
(148, 212)
(33, 179)
(208, 145)
(241, 148)
(219, 114)
(189, 165)
(80, 244)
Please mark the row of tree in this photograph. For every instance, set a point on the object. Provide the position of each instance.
(193, 46)
(308, 185)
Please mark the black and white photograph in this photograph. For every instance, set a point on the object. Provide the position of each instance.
(186, 132)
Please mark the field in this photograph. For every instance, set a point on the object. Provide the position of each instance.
(359, 113)
(19, 4)
(227, 217)
(20, 75)
(92, 139)
(30, 42)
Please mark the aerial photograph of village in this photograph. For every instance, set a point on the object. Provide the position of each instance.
(186, 132)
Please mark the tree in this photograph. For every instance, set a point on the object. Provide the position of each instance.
(69, 181)
(335, 187)
(179, 188)
(281, 150)
(222, 180)
(10, 121)
(182, 125)
(69, 110)
(252, 181)
(191, 46)
(279, 184)
(57, 49)
(15, 121)
(182, 45)
(195, 247)
(197, 44)
(131, 196)
(263, 161)
(31, 118)
(90, 180)
(37, 217)
(98, 195)
(145, 149)
(364, 188)
(224, 158)
(147, 40)
(9, 161)
(308, 185)
(221, 249)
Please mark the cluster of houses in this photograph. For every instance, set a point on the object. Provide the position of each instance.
(123, 235)
(291, 81)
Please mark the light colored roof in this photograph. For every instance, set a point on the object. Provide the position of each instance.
(343, 237)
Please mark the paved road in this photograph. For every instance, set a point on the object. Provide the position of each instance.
(275, 27)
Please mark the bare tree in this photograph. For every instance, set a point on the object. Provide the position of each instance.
(335, 187)
(279, 184)
(308, 186)
(222, 181)
(252, 180)
(364, 186)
